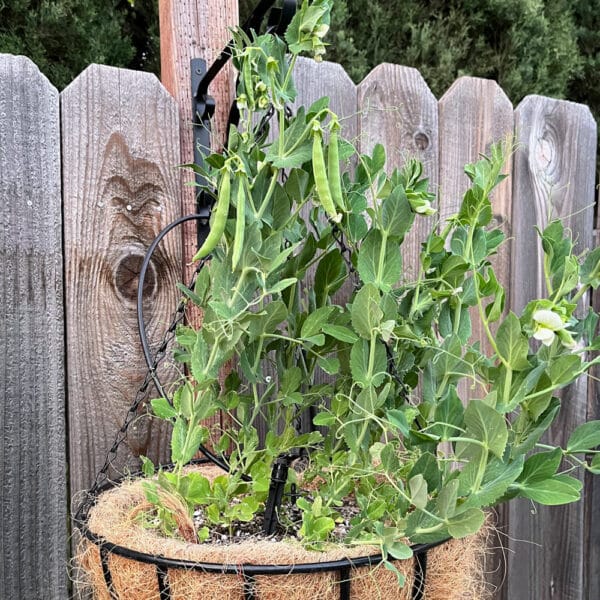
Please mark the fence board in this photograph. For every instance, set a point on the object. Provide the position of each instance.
(475, 113)
(33, 490)
(554, 175)
(120, 145)
(592, 482)
(398, 110)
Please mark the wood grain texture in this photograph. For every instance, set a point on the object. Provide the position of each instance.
(398, 110)
(33, 469)
(553, 176)
(195, 29)
(120, 132)
(473, 114)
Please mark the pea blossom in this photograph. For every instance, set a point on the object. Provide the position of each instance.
(548, 325)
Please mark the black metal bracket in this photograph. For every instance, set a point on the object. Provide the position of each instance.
(203, 105)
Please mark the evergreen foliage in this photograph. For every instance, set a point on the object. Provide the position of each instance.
(64, 36)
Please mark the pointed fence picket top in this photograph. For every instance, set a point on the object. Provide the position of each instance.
(553, 177)
(120, 136)
(33, 486)
(398, 110)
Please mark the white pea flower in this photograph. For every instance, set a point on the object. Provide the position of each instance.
(550, 324)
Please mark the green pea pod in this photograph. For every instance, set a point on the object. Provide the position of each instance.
(240, 224)
(247, 77)
(218, 218)
(333, 168)
(321, 183)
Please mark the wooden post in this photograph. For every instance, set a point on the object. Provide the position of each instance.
(195, 29)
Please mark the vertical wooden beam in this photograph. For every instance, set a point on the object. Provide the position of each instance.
(33, 469)
(195, 29)
(553, 177)
(120, 132)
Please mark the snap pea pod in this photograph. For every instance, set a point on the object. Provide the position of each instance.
(333, 167)
(240, 224)
(320, 175)
(218, 218)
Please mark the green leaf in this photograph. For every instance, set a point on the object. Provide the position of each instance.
(324, 419)
(595, 465)
(564, 369)
(162, 409)
(590, 269)
(199, 359)
(488, 426)
(329, 276)
(400, 577)
(497, 478)
(448, 415)
(418, 491)
(178, 440)
(359, 364)
(281, 285)
(365, 311)
(291, 380)
(466, 523)
(147, 466)
(399, 551)
(379, 261)
(586, 437)
(540, 466)
(315, 321)
(513, 345)
(339, 332)
(396, 214)
(561, 489)
(331, 365)
(398, 419)
(446, 500)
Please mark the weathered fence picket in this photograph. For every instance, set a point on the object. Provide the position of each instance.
(121, 141)
(120, 148)
(33, 469)
(553, 177)
(398, 110)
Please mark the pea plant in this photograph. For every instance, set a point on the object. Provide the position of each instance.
(299, 215)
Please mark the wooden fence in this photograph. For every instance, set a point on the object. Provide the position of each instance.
(88, 177)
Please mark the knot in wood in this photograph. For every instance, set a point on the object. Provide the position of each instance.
(421, 140)
(127, 273)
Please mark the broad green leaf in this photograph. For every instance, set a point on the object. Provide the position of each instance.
(315, 321)
(331, 365)
(428, 467)
(359, 364)
(448, 416)
(521, 386)
(466, 523)
(162, 409)
(595, 465)
(379, 261)
(529, 430)
(398, 419)
(418, 491)
(396, 214)
(365, 311)
(324, 419)
(561, 489)
(330, 275)
(585, 437)
(497, 478)
(486, 425)
(564, 369)
(291, 380)
(339, 332)
(198, 488)
(540, 466)
(513, 345)
(399, 551)
(446, 500)
(282, 285)
(400, 577)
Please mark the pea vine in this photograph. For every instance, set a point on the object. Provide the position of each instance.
(379, 370)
